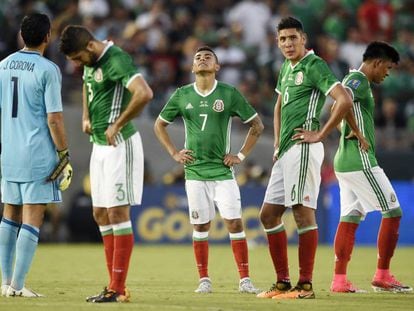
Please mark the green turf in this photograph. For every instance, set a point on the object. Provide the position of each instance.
(164, 277)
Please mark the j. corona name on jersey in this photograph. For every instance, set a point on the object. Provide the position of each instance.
(19, 65)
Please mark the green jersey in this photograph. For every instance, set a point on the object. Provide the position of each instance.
(106, 92)
(303, 88)
(349, 157)
(207, 119)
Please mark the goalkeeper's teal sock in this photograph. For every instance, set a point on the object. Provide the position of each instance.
(25, 249)
(8, 237)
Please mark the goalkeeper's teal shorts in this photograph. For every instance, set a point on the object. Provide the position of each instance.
(34, 192)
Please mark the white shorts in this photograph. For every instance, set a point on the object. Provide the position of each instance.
(117, 173)
(296, 177)
(203, 196)
(366, 191)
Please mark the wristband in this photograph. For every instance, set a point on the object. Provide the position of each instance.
(241, 156)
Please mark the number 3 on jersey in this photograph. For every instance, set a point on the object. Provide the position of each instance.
(89, 91)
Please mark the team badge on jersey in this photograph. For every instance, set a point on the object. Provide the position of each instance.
(393, 198)
(299, 78)
(353, 83)
(98, 75)
(218, 105)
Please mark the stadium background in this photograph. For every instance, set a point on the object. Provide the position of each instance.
(162, 36)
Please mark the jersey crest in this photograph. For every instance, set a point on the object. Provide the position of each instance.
(299, 78)
(218, 105)
(98, 76)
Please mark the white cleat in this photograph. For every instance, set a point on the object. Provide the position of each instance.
(24, 292)
(4, 289)
(246, 286)
(204, 287)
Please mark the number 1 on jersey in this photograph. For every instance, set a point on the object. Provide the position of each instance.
(204, 116)
(15, 96)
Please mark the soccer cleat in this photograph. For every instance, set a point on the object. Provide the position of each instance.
(389, 284)
(204, 287)
(278, 288)
(110, 295)
(300, 291)
(93, 297)
(345, 287)
(24, 292)
(4, 289)
(246, 286)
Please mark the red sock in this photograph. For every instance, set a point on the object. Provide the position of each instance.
(241, 256)
(278, 252)
(387, 241)
(308, 242)
(123, 245)
(108, 241)
(343, 245)
(201, 257)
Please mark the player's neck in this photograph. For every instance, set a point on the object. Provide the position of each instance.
(205, 83)
(40, 49)
(365, 69)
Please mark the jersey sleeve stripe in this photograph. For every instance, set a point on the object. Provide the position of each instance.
(330, 89)
(169, 122)
(132, 78)
(251, 118)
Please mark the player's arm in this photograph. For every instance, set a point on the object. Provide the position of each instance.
(160, 128)
(255, 130)
(341, 108)
(355, 131)
(141, 95)
(276, 126)
(86, 122)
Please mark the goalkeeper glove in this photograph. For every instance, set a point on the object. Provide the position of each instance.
(63, 170)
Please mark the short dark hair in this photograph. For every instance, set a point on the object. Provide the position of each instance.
(381, 50)
(74, 38)
(290, 22)
(34, 28)
(207, 48)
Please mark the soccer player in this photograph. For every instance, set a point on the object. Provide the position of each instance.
(303, 84)
(33, 141)
(114, 92)
(207, 107)
(364, 187)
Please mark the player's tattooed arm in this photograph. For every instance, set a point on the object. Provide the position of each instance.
(255, 130)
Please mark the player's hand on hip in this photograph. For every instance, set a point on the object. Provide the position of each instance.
(111, 133)
(362, 141)
(231, 159)
(305, 136)
(86, 127)
(183, 156)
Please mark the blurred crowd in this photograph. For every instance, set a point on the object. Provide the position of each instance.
(162, 36)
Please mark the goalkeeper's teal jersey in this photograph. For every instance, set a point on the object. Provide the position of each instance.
(303, 88)
(30, 87)
(207, 119)
(349, 157)
(106, 92)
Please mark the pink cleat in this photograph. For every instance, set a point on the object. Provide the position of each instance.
(345, 287)
(389, 284)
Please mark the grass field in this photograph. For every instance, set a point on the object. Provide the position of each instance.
(164, 277)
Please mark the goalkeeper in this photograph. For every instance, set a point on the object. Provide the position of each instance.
(35, 160)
